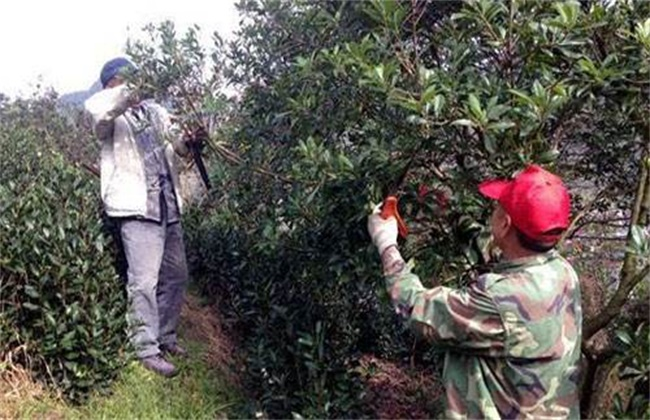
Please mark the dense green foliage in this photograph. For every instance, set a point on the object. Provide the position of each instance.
(61, 301)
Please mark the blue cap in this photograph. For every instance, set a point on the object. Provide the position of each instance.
(114, 67)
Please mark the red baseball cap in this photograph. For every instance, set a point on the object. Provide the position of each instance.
(536, 201)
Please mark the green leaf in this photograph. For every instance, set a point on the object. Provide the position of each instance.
(475, 107)
(639, 240)
(379, 72)
(30, 306)
(425, 75)
(438, 104)
(642, 34)
(490, 144)
(346, 162)
(548, 156)
(416, 119)
(99, 244)
(50, 319)
(464, 122)
(494, 112)
(629, 372)
(538, 89)
(568, 12)
(521, 95)
(31, 291)
(404, 99)
(429, 93)
(501, 126)
(624, 337)
(588, 66)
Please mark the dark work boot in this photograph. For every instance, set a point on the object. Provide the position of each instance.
(173, 350)
(159, 365)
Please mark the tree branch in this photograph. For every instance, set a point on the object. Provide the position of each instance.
(613, 222)
(601, 237)
(93, 170)
(614, 306)
(574, 226)
(629, 277)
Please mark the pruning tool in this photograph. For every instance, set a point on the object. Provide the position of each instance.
(196, 155)
(389, 209)
(195, 149)
(389, 206)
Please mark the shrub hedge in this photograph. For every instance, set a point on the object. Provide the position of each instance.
(61, 301)
(305, 312)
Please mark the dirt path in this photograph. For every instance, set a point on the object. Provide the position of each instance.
(202, 324)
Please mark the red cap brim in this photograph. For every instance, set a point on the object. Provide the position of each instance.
(493, 189)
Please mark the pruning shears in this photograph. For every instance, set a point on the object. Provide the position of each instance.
(198, 160)
(389, 206)
(389, 209)
(195, 150)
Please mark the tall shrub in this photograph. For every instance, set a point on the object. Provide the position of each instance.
(61, 302)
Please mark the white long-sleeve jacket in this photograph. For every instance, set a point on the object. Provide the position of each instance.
(123, 181)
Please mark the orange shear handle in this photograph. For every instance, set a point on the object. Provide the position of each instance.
(389, 209)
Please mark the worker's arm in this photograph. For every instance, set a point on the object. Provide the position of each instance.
(461, 318)
(106, 105)
(465, 318)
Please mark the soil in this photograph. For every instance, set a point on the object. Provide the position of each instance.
(400, 392)
(202, 324)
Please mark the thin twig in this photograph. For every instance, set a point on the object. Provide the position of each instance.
(90, 169)
(601, 237)
(572, 229)
(223, 151)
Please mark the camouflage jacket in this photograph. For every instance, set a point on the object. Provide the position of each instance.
(512, 337)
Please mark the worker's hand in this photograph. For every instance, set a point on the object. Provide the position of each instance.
(134, 99)
(196, 137)
(382, 231)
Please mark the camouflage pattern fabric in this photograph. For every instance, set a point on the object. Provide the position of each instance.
(512, 337)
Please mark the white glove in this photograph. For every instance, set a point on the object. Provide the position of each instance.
(382, 231)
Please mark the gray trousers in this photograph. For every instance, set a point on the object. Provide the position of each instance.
(156, 281)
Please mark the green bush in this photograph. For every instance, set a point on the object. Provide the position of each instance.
(61, 302)
(632, 346)
(303, 320)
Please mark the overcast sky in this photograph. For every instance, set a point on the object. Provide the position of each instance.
(64, 43)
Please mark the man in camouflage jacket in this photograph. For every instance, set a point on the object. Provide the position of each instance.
(512, 337)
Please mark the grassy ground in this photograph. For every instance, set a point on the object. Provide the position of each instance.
(202, 390)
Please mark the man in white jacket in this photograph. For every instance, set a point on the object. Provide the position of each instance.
(140, 191)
